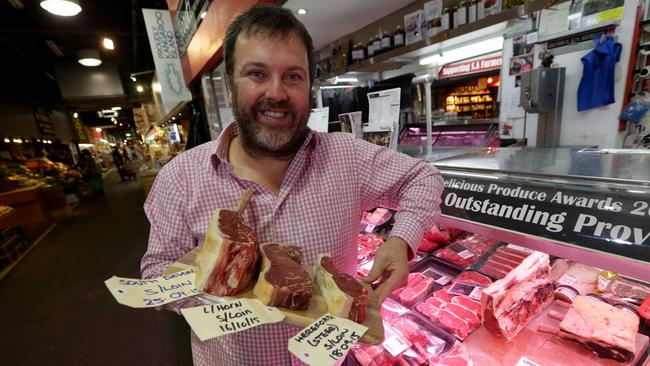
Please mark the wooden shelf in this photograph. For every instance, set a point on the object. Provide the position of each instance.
(398, 57)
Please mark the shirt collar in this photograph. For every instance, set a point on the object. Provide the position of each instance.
(231, 131)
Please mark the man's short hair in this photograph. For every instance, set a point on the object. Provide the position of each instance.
(271, 21)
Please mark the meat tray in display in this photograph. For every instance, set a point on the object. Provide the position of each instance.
(228, 258)
(344, 295)
(503, 260)
(282, 281)
(511, 302)
(608, 331)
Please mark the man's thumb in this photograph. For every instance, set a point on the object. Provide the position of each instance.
(375, 272)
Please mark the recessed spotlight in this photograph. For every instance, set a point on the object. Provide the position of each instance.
(64, 8)
(139, 88)
(89, 58)
(133, 78)
(302, 11)
(108, 44)
(98, 129)
(75, 115)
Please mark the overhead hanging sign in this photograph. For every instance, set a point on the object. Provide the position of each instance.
(614, 221)
(470, 67)
(166, 57)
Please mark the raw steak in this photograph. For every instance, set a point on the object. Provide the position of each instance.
(511, 302)
(282, 281)
(443, 295)
(451, 257)
(468, 303)
(344, 295)
(467, 315)
(427, 246)
(415, 293)
(363, 254)
(452, 323)
(478, 244)
(412, 280)
(226, 263)
(622, 289)
(608, 331)
(473, 277)
(427, 309)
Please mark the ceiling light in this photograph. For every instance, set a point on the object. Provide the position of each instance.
(337, 80)
(64, 8)
(108, 44)
(75, 115)
(133, 78)
(114, 122)
(7, 140)
(117, 108)
(89, 58)
(157, 87)
(98, 129)
(302, 11)
(465, 52)
(139, 88)
(204, 14)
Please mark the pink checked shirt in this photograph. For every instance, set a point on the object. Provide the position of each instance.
(330, 182)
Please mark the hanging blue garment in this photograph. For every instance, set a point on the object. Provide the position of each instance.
(596, 87)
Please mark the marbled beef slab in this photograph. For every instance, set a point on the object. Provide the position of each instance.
(227, 262)
(510, 303)
(282, 281)
(344, 295)
(608, 331)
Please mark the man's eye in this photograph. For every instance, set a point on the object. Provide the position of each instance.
(293, 77)
(258, 75)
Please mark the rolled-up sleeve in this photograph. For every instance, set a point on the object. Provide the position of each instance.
(412, 186)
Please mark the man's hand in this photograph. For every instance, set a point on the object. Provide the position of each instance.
(391, 261)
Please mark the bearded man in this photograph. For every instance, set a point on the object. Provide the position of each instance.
(309, 189)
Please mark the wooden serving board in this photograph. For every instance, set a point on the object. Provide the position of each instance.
(541, 348)
(297, 318)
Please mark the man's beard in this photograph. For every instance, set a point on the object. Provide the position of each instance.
(278, 142)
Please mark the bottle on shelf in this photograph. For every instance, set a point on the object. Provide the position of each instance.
(444, 20)
(398, 37)
(386, 44)
(370, 48)
(377, 44)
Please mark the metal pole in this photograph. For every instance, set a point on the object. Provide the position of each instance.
(427, 86)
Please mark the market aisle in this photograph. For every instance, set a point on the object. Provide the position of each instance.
(56, 309)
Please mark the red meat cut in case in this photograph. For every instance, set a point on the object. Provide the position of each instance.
(495, 270)
(468, 303)
(470, 317)
(452, 322)
(443, 294)
(412, 280)
(391, 309)
(438, 302)
(451, 257)
(227, 260)
(474, 277)
(417, 292)
(427, 246)
(458, 355)
(427, 308)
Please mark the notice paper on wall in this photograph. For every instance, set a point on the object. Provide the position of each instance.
(138, 293)
(554, 20)
(383, 110)
(319, 119)
(215, 320)
(326, 340)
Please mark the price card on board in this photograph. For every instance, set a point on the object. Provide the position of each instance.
(138, 293)
(326, 340)
(215, 320)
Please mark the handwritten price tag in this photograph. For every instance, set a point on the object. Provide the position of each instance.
(215, 320)
(138, 293)
(326, 340)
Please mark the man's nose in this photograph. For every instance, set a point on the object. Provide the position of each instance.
(277, 89)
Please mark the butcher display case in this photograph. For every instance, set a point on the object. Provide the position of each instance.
(450, 134)
(592, 206)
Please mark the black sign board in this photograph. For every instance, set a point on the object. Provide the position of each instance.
(186, 20)
(610, 220)
(43, 121)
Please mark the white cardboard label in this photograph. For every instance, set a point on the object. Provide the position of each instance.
(326, 340)
(567, 279)
(215, 320)
(439, 278)
(138, 293)
(519, 248)
(396, 344)
(523, 361)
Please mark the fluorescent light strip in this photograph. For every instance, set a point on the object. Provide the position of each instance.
(465, 52)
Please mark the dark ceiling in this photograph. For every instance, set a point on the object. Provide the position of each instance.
(29, 64)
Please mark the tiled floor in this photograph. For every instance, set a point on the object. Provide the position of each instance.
(54, 305)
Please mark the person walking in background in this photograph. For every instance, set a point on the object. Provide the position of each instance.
(91, 173)
(118, 160)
